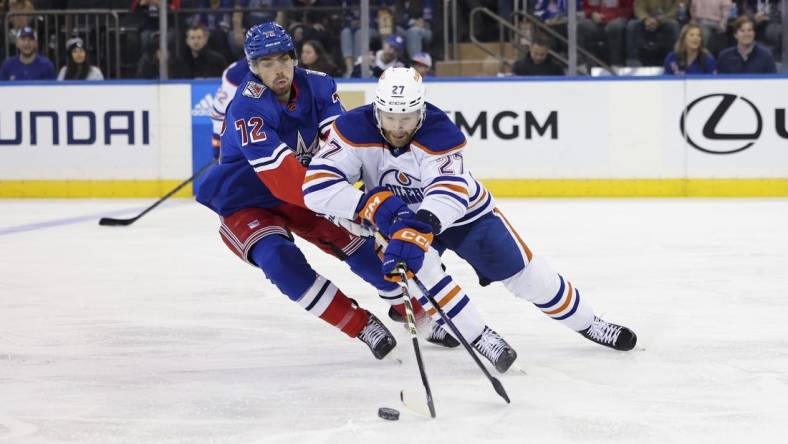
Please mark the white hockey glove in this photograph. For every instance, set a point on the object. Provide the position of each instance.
(354, 228)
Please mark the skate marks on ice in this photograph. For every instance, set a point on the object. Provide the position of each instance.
(156, 334)
(12, 429)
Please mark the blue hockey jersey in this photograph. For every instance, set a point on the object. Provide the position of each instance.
(265, 143)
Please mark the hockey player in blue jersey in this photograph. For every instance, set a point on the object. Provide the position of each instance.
(423, 198)
(270, 132)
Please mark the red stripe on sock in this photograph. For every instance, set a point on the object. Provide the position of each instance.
(342, 310)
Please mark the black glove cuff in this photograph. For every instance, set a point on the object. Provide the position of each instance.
(429, 219)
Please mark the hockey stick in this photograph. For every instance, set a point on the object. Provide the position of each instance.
(497, 385)
(493, 380)
(411, 320)
(111, 221)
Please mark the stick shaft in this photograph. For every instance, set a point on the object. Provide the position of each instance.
(114, 221)
(411, 320)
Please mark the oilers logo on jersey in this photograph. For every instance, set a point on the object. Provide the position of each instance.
(403, 185)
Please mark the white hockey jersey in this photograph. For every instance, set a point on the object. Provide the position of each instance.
(429, 174)
(231, 78)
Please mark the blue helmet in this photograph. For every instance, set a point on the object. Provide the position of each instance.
(266, 39)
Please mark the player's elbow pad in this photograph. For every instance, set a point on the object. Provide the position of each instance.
(430, 219)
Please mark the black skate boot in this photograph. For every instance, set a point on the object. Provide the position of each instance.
(495, 348)
(610, 335)
(395, 316)
(439, 336)
(377, 337)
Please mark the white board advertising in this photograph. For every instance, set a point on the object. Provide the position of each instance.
(595, 129)
(94, 131)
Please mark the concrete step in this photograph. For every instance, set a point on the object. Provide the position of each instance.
(470, 51)
(469, 68)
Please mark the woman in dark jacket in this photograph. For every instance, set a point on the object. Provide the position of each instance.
(315, 57)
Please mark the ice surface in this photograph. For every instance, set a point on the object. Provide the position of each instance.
(156, 333)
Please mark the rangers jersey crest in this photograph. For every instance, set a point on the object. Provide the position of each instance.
(253, 90)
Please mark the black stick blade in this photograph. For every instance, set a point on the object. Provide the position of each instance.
(110, 221)
(499, 389)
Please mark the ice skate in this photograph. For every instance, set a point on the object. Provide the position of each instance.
(610, 335)
(438, 336)
(377, 337)
(495, 348)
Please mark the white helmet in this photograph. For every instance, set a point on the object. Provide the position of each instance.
(400, 91)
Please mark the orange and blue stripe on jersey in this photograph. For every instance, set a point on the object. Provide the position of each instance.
(565, 302)
(452, 186)
(319, 177)
(478, 205)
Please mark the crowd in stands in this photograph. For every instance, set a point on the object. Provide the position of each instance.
(682, 36)
(205, 36)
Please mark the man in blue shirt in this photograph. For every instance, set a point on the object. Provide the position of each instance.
(747, 57)
(28, 65)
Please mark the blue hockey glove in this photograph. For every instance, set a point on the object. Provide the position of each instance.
(381, 208)
(409, 241)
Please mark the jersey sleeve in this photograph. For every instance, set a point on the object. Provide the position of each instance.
(446, 186)
(221, 100)
(445, 181)
(328, 185)
(255, 132)
(329, 107)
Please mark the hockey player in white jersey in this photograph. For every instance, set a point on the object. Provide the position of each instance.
(422, 197)
(231, 78)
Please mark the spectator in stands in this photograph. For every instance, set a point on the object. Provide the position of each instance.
(318, 22)
(314, 57)
(147, 12)
(78, 67)
(148, 66)
(389, 56)
(217, 23)
(350, 36)
(28, 65)
(197, 60)
(414, 22)
(538, 61)
(554, 14)
(712, 16)
(265, 11)
(17, 22)
(422, 62)
(298, 33)
(607, 18)
(748, 56)
(690, 56)
(2, 16)
(235, 37)
(654, 29)
(767, 16)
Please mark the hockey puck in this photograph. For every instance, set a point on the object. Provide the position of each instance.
(388, 414)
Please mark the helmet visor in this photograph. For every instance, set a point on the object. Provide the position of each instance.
(400, 122)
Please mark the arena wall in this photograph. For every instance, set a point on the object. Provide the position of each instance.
(716, 136)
